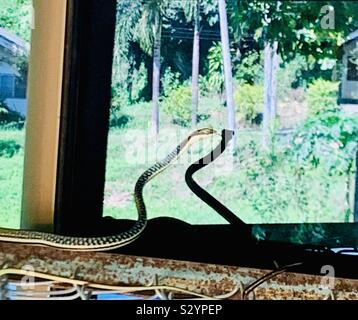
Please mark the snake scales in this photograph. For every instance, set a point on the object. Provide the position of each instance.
(115, 241)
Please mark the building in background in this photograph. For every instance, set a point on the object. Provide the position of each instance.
(349, 85)
(14, 53)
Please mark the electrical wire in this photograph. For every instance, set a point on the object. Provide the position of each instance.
(85, 290)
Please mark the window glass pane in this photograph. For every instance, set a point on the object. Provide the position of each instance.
(7, 86)
(15, 30)
(294, 159)
(352, 69)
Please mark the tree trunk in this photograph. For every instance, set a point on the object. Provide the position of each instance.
(356, 193)
(196, 66)
(267, 95)
(348, 211)
(156, 75)
(270, 89)
(274, 75)
(224, 29)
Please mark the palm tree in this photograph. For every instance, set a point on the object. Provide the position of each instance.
(270, 89)
(270, 85)
(224, 28)
(192, 12)
(128, 14)
(149, 35)
(156, 70)
(356, 195)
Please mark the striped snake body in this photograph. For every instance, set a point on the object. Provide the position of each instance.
(107, 242)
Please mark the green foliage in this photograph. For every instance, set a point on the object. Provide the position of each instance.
(128, 79)
(11, 177)
(250, 70)
(139, 82)
(204, 87)
(8, 148)
(215, 75)
(128, 86)
(322, 95)
(296, 25)
(305, 179)
(208, 9)
(147, 27)
(118, 120)
(15, 15)
(216, 69)
(249, 101)
(329, 140)
(120, 97)
(289, 76)
(170, 81)
(178, 105)
(9, 118)
(3, 109)
(265, 182)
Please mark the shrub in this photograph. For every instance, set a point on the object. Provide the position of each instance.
(249, 101)
(118, 119)
(328, 139)
(139, 83)
(129, 85)
(215, 77)
(250, 69)
(120, 97)
(9, 148)
(3, 109)
(322, 95)
(9, 118)
(204, 86)
(290, 76)
(178, 105)
(170, 81)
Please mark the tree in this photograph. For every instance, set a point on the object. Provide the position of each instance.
(156, 70)
(356, 193)
(270, 88)
(224, 29)
(128, 14)
(192, 10)
(293, 27)
(192, 13)
(149, 35)
(196, 65)
(15, 16)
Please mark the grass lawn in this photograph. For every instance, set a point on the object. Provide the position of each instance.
(11, 171)
(266, 198)
(255, 201)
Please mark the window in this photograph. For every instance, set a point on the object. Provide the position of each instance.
(7, 86)
(291, 165)
(352, 69)
(292, 174)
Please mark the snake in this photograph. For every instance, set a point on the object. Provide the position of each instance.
(226, 137)
(114, 241)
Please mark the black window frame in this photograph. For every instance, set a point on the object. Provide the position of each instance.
(86, 97)
(84, 131)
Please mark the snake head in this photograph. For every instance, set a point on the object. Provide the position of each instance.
(204, 133)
